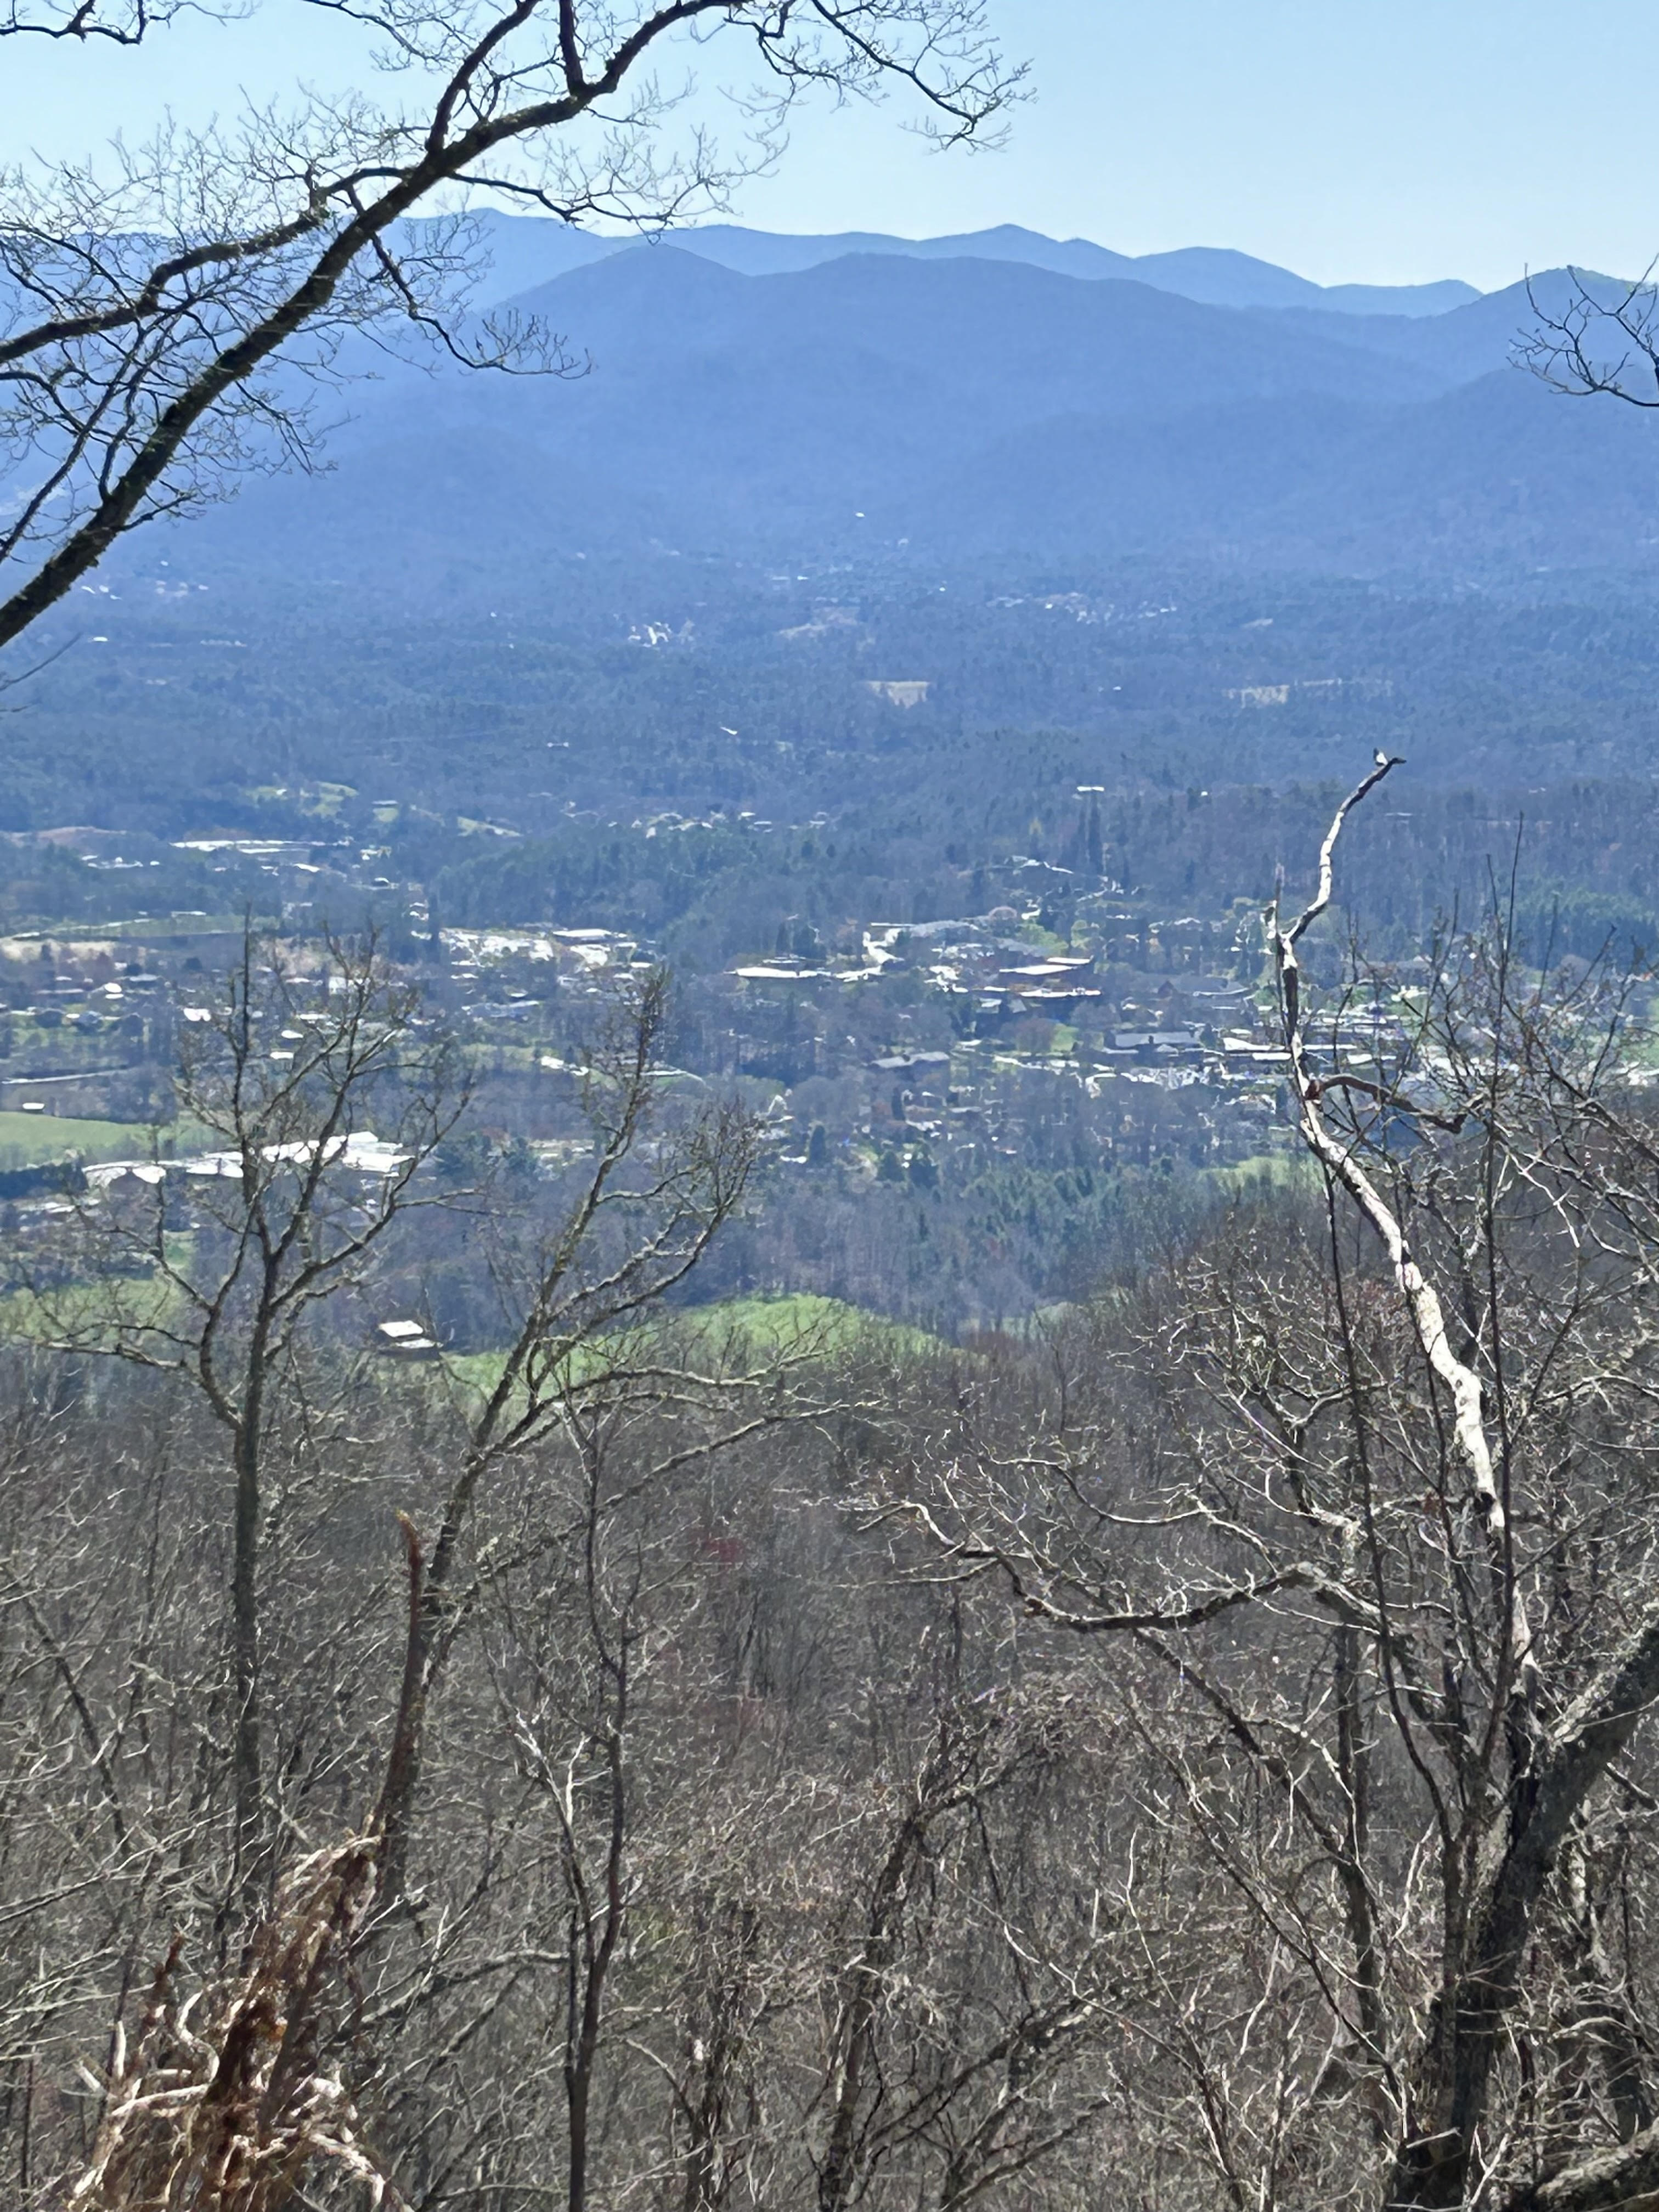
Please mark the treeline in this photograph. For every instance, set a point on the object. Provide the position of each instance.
(1576, 855)
(47, 883)
(215, 710)
(1576, 858)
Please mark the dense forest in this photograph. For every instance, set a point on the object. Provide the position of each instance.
(597, 763)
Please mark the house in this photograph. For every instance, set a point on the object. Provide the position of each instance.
(407, 1340)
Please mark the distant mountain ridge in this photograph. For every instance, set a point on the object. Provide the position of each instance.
(866, 407)
(527, 251)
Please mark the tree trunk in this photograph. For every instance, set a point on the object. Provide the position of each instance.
(245, 1645)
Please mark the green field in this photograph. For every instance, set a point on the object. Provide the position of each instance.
(1294, 1169)
(737, 1330)
(799, 1320)
(29, 1140)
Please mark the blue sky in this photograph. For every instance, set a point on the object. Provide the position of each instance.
(1351, 142)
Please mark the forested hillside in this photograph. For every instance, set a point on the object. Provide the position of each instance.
(828, 1157)
(873, 406)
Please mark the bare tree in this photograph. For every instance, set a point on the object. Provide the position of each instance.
(1602, 338)
(1546, 1747)
(292, 1210)
(578, 1646)
(210, 1268)
(226, 2097)
(645, 1210)
(160, 318)
(971, 2104)
(124, 24)
(1382, 1516)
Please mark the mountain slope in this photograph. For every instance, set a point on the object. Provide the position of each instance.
(1467, 341)
(526, 252)
(999, 335)
(1498, 474)
(959, 405)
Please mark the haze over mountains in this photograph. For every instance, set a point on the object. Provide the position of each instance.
(524, 252)
(967, 397)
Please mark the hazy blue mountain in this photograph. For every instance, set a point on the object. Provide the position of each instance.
(961, 404)
(1222, 278)
(1498, 474)
(1469, 340)
(527, 251)
(996, 339)
(524, 251)
(1216, 275)
(1425, 299)
(784, 403)
(776, 254)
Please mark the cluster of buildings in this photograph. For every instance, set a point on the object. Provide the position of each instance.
(951, 1037)
(1012, 1030)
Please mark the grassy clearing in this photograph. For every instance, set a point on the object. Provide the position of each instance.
(738, 1331)
(1292, 1169)
(799, 1320)
(30, 1141)
(94, 1314)
(90, 1314)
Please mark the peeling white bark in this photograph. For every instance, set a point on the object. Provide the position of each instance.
(1422, 1302)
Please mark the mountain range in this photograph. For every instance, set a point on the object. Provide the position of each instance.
(520, 252)
(931, 398)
